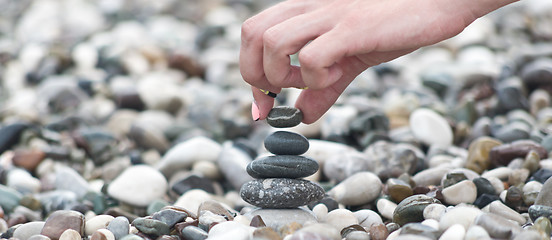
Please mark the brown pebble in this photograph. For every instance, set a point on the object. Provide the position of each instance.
(257, 221)
(181, 225)
(70, 234)
(478, 153)
(378, 231)
(290, 228)
(1, 212)
(502, 155)
(266, 233)
(168, 237)
(28, 159)
(61, 220)
(216, 208)
(102, 234)
(16, 218)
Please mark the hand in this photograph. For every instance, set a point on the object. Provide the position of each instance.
(337, 40)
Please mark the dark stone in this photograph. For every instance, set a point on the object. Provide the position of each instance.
(514, 197)
(130, 100)
(194, 233)
(10, 134)
(483, 186)
(485, 199)
(411, 209)
(541, 175)
(286, 143)
(284, 117)
(370, 121)
(537, 74)
(511, 95)
(282, 166)
(151, 226)
(193, 182)
(100, 146)
(502, 155)
(330, 203)
(281, 192)
(536, 211)
(170, 217)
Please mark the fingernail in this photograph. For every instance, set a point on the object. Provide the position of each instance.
(255, 113)
(303, 88)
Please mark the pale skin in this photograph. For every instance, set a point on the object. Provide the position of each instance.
(345, 37)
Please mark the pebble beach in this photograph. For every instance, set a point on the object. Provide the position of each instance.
(129, 120)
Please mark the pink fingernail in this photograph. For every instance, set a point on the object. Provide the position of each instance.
(255, 113)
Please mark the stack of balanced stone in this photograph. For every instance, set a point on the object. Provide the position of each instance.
(278, 183)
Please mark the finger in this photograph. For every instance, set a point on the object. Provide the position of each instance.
(318, 58)
(263, 101)
(315, 102)
(285, 39)
(251, 50)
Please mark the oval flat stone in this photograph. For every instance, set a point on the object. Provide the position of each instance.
(286, 143)
(430, 127)
(151, 226)
(502, 155)
(282, 166)
(281, 192)
(61, 220)
(411, 209)
(284, 117)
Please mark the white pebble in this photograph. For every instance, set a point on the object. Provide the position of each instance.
(341, 218)
(70, 234)
(459, 215)
(367, 218)
(138, 185)
(97, 222)
(476, 232)
(499, 208)
(360, 188)
(386, 208)
(454, 232)
(320, 211)
(430, 127)
(462, 192)
(434, 211)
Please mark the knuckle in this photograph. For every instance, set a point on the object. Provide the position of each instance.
(307, 59)
(249, 30)
(271, 39)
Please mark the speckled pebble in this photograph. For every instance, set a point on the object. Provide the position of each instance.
(281, 192)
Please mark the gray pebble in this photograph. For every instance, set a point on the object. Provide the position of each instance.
(151, 226)
(170, 217)
(281, 192)
(119, 227)
(536, 211)
(283, 166)
(420, 230)
(286, 143)
(497, 226)
(194, 233)
(284, 117)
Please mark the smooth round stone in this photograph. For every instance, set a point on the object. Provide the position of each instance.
(185, 154)
(322, 231)
(170, 216)
(344, 164)
(193, 182)
(281, 192)
(69, 179)
(341, 218)
(462, 192)
(545, 195)
(151, 226)
(529, 235)
(9, 198)
(386, 207)
(193, 232)
(286, 143)
(138, 185)
(430, 127)
(367, 218)
(378, 232)
(284, 117)
(26, 230)
(502, 155)
(398, 190)
(454, 232)
(411, 209)
(225, 229)
(61, 220)
(191, 200)
(434, 211)
(360, 188)
(478, 153)
(536, 211)
(543, 225)
(497, 226)
(464, 216)
(277, 218)
(282, 166)
(22, 181)
(232, 162)
(500, 209)
(119, 227)
(97, 222)
(358, 235)
(70, 234)
(541, 175)
(476, 232)
(419, 229)
(501, 173)
(484, 186)
(102, 234)
(431, 176)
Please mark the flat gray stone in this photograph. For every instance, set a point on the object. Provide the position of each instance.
(282, 166)
(281, 192)
(284, 117)
(286, 143)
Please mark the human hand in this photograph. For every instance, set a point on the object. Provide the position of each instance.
(337, 40)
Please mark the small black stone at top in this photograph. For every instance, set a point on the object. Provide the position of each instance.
(284, 116)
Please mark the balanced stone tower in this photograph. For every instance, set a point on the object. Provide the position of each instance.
(278, 183)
